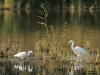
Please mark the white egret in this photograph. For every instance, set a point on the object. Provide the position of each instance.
(80, 52)
(22, 55)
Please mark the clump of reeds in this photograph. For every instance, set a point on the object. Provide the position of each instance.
(6, 53)
(5, 47)
(50, 46)
(9, 47)
(94, 60)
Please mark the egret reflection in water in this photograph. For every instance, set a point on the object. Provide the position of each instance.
(77, 66)
(23, 66)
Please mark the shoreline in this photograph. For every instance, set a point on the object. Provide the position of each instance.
(89, 8)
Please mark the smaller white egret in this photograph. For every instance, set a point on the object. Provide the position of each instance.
(80, 52)
(22, 55)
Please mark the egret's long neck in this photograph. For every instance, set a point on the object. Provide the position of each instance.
(72, 45)
(28, 53)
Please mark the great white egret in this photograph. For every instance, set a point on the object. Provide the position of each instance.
(22, 55)
(80, 52)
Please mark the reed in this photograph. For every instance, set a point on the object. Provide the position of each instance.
(9, 47)
(52, 45)
(44, 12)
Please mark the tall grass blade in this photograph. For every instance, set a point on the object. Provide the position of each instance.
(42, 23)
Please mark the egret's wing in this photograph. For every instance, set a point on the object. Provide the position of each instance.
(21, 54)
(81, 51)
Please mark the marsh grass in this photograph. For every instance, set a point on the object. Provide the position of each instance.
(50, 46)
(46, 53)
(9, 47)
(94, 53)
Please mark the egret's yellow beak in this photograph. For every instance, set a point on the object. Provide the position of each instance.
(69, 43)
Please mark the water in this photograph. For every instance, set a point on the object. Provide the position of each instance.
(47, 67)
(19, 31)
(84, 24)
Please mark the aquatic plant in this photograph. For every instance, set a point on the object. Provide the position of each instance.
(50, 46)
(5, 47)
(9, 47)
(44, 12)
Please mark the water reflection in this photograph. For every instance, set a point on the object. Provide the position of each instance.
(84, 24)
(78, 66)
(48, 67)
(23, 66)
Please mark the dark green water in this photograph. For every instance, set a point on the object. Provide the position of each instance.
(23, 27)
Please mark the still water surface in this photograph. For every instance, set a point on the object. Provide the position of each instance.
(22, 25)
(84, 24)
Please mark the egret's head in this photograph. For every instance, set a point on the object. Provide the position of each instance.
(30, 52)
(71, 41)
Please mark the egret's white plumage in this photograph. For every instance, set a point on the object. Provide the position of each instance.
(80, 52)
(22, 55)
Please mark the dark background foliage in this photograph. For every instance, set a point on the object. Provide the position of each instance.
(54, 3)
